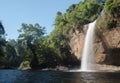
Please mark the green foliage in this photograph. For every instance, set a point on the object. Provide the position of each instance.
(111, 5)
(22, 51)
(2, 44)
(8, 55)
(85, 12)
(31, 32)
(36, 48)
(31, 36)
(2, 62)
(2, 30)
(24, 64)
(48, 57)
(109, 19)
(13, 60)
(111, 24)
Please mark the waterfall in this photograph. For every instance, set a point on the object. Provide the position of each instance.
(88, 51)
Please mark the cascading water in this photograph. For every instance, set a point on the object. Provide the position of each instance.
(88, 52)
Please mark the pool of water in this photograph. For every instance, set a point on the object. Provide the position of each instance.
(17, 76)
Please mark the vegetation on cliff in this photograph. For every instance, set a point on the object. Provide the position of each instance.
(110, 17)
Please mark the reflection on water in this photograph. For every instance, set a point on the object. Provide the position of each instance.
(16, 76)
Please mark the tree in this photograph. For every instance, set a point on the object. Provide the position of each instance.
(13, 60)
(2, 44)
(31, 33)
(37, 46)
(31, 36)
(2, 31)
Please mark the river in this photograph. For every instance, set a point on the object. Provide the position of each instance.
(31, 76)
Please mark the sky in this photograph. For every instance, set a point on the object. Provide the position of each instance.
(15, 12)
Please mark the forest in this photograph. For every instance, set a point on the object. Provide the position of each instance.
(35, 50)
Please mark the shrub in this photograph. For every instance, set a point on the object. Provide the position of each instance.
(111, 24)
(24, 64)
(111, 6)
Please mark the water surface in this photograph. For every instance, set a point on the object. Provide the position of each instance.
(17, 76)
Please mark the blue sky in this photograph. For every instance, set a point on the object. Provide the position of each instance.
(15, 12)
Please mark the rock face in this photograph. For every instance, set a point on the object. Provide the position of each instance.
(106, 46)
(77, 42)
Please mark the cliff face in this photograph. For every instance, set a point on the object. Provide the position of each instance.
(77, 42)
(106, 45)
